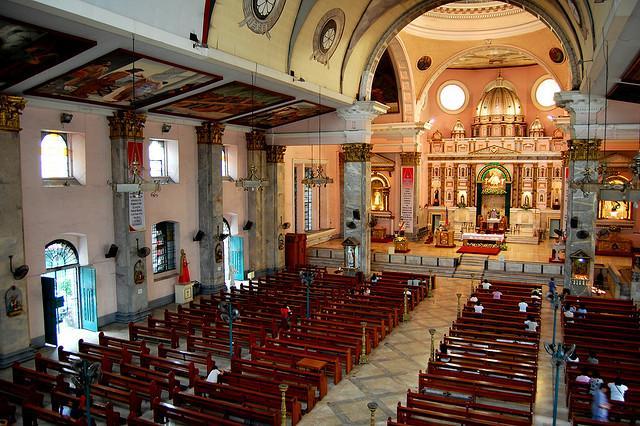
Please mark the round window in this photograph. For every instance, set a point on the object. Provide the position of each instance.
(544, 89)
(262, 8)
(453, 97)
(328, 35)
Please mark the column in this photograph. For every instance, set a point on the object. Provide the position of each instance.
(274, 215)
(410, 178)
(581, 206)
(257, 157)
(14, 337)
(210, 208)
(357, 174)
(126, 128)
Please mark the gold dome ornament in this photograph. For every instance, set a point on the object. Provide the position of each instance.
(499, 112)
(437, 136)
(458, 131)
(536, 129)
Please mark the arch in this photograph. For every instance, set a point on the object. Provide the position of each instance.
(404, 76)
(481, 174)
(60, 254)
(530, 6)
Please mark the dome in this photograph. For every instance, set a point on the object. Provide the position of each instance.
(498, 101)
(437, 136)
(499, 113)
(458, 130)
(536, 129)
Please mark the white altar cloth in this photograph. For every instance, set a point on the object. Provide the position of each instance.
(483, 237)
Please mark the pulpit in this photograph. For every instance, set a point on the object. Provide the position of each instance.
(401, 245)
(444, 238)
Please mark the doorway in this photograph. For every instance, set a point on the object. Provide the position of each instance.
(68, 292)
(435, 222)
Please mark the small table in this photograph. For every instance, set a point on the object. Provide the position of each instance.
(312, 364)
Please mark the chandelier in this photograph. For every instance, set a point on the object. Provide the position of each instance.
(136, 183)
(317, 177)
(252, 181)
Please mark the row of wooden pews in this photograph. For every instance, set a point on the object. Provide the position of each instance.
(163, 364)
(488, 374)
(610, 329)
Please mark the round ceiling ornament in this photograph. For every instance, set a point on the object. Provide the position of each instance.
(327, 35)
(556, 55)
(261, 15)
(424, 63)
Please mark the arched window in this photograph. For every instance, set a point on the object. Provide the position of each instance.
(60, 254)
(54, 156)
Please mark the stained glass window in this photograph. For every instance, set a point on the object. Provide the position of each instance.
(59, 254)
(54, 156)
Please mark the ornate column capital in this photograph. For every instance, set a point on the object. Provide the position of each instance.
(275, 153)
(582, 109)
(126, 124)
(256, 140)
(357, 152)
(583, 149)
(362, 110)
(10, 109)
(210, 133)
(410, 158)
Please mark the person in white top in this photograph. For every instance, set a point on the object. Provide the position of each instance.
(473, 298)
(486, 285)
(213, 375)
(478, 308)
(531, 324)
(497, 294)
(584, 377)
(522, 306)
(617, 389)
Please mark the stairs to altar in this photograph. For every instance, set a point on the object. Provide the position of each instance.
(470, 265)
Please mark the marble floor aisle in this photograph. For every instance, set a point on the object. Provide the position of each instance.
(394, 365)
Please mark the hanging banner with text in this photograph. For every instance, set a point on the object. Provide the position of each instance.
(136, 212)
(406, 198)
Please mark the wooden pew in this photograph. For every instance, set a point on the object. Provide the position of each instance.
(179, 368)
(198, 358)
(105, 411)
(226, 409)
(164, 380)
(125, 397)
(248, 395)
(20, 394)
(269, 386)
(31, 413)
(163, 411)
(167, 335)
(291, 357)
(43, 382)
(210, 345)
(142, 388)
(134, 348)
(99, 352)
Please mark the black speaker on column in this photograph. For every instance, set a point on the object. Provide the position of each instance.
(574, 222)
(247, 226)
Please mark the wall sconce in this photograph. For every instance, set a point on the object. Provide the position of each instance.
(20, 272)
(66, 117)
(166, 127)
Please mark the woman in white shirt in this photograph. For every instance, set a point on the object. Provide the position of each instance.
(486, 285)
(522, 306)
(478, 308)
(617, 390)
(531, 324)
(473, 298)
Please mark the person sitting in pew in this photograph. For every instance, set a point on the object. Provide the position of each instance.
(617, 389)
(573, 357)
(593, 358)
(478, 308)
(600, 404)
(531, 324)
(444, 352)
(497, 294)
(522, 306)
(374, 278)
(595, 382)
(214, 374)
(583, 377)
(567, 311)
(486, 285)
(581, 312)
(473, 298)
(536, 293)
(285, 313)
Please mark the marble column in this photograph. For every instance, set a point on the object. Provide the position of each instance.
(582, 161)
(412, 159)
(274, 215)
(210, 210)
(257, 157)
(132, 298)
(356, 190)
(635, 286)
(14, 337)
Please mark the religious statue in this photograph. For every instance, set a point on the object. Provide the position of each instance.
(436, 198)
(493, 214)
(495, 178)
(462, 200)
(527, 201)
(13, 301)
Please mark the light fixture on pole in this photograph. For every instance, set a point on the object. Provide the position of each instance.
(318, 177)
(253, 180)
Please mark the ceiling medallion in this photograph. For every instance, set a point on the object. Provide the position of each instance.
(261, 15)
(556, 55)
(424, 63)
(327, 35)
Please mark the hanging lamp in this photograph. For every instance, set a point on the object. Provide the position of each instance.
(318, 177)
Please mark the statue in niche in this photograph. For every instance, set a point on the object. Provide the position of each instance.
(527, 200)
(436, 198)
(462, 200)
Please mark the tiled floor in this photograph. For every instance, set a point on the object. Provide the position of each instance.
(393, 367)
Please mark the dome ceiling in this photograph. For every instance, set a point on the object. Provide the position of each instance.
(492, 57)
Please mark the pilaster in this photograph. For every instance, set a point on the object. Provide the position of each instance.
(14, 337)
(127, 128)
(410, 177)
(210, 207)
(257, 157)
(274, 215)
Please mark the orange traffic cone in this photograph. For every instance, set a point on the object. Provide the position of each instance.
(184, 277)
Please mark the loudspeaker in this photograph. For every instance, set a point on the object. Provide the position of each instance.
(574, 222)
(199, 236)
(247, 226)
(113, 251)
(351, 225)
(356, 214)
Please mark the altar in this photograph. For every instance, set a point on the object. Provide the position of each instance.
(473, 239)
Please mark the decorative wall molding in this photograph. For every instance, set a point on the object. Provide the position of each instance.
(275, 153)
(10, 109)
(357, 152)
(256, 140)
(410, 158)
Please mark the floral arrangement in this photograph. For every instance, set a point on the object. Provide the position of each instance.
(494, 191)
